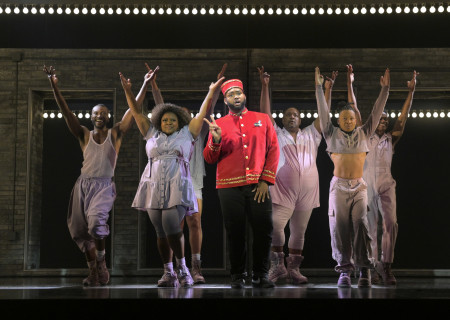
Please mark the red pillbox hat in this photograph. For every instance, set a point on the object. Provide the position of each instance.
(233, 83)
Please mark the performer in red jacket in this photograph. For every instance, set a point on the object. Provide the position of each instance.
(245, 147)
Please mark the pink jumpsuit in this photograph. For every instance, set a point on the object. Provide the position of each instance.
(381, 196)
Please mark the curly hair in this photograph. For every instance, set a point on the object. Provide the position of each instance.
(159, 110)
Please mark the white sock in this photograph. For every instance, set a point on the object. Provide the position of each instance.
(100, 254)
(196, 256)
(181, 263)
(168, 267)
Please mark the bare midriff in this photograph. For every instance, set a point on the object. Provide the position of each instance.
(348, 165)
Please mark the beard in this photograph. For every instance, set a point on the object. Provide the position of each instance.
(236, 109)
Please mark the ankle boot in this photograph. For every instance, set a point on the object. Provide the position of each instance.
(277, 268)
(293, 269)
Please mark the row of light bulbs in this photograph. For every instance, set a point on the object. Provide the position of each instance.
(228, 10)
(277, 114)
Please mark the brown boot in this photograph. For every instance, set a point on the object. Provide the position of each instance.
(103, 273)
(293, 268)
(92, 278)
(196, 272)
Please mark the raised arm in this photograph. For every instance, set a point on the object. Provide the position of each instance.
(80, 132)
(399, 125)
(329, 82)
(374, 118)
(322, 107)
(142, 121)
(195, 126)
(351, 95)
(264, 103)
(150, 77)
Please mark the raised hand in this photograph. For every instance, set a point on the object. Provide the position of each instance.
(263, 76)
(126, 83)
(51, 74)
(412, 83)
(151, 74)
(319, 77)
(350, 74)
(215, 85)
(329, 82)
(222, 72)
(385, 80)
(214, 129)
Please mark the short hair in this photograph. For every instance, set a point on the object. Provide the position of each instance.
(344, 105)
(161, 109)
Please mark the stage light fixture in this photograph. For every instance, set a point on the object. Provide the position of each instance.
(261, 11)
(274, 115)
(338, 10)
(76, 10)
(169, 10)
(423, 9)
(52, 114)
(415, 9)
(236, 10)
(448, 114)
(85, 10)
(398, 9)
(7, 10)
(302, 115)
(372, 9)
(389, 9)
(308, 115)
(346, 9)
(330, 10)
(41, 10)
(414, 114)
(218, 115)
(161, 11)
(68, 10)
(304, 11)
(228, 10)
(220, 10)
(211, 10)
(253, 11)
(380, 9)
(428, 114)
(202, 10)
(280, 115)
(59, 10)
(355, 10)
(312, 11)
(45, 115)
(59, 115)
(149, 115)
(25, 10)
(270, 11)
(392, 114)
(442, 114)
(321, 11)
(244, 11)
(87, 115)
(93, 11)
(287, 11)
(315, 115)
(432, 9)
(406, 9)
(279, 11)
(186, 10)
(33, 10)
(136, 10)
(194, 11)
(80, 115)
(440, 8)
(435, 114)
(16, 10)
(177, 10)
(363, 9)
(50, 10)
(421, 114)
(336, 115)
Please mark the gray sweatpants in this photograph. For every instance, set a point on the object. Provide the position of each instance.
(91, 201)
(347, 213)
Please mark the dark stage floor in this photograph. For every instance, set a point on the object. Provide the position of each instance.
(132, 297)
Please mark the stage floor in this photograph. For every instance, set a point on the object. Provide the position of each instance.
(42, 297)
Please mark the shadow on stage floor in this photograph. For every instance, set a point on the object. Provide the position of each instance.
(132, 297)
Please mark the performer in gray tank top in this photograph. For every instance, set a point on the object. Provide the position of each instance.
(94, 192)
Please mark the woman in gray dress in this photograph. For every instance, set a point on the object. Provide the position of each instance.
(165, 190)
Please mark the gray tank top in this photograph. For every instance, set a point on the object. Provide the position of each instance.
(99, 159)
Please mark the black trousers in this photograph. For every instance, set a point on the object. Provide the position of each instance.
(238, 206)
